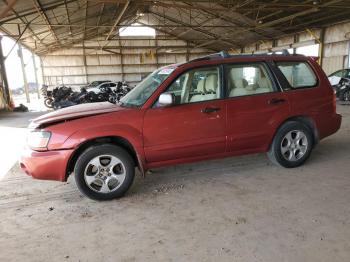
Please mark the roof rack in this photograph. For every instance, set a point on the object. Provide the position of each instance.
(222, 54)
(225, 54)
(278, 52)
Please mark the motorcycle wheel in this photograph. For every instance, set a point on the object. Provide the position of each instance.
(48, 102)
(346, 96)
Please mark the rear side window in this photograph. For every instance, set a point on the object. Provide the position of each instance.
(298, 74)
(248, 79)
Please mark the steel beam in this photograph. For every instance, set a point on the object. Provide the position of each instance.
(120, 16)
(7, 8)
(26, 89)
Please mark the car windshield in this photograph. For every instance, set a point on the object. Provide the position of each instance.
(139, 95)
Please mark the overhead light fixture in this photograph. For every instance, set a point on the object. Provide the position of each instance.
(140, 13)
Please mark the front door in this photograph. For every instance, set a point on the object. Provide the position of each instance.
(195, 125)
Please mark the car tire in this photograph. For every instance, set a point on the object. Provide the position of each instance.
(104, 172)
(292, 145)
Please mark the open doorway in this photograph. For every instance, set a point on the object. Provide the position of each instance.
(15, 76)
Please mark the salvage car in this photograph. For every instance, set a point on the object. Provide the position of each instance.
(212, 107)
(335, 77)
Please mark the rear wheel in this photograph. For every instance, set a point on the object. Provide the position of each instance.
(104, 172)
(48, 102)
(345, 96)
(292, 145)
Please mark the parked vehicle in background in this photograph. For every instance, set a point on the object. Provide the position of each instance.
(96, 83)
(342, 89)
(335, 77)
(340, 81)
(212, 107)
(17, 91)
(102, 87)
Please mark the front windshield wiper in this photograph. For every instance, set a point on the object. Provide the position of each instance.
(122, 104)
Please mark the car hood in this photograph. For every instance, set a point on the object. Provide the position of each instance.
(75, 112)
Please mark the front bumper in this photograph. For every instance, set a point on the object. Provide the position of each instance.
(47, 165)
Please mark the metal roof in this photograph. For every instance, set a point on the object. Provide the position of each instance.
(48, 25)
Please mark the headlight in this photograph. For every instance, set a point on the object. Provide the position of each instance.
(38, 139)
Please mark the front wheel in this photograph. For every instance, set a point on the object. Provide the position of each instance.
(104, 172)
(292, 145)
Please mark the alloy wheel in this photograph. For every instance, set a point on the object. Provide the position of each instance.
(294, 145)
(104, 174)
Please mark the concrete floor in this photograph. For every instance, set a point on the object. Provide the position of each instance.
(236, 209)
(12, 137)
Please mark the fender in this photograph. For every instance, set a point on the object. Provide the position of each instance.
(129, 133)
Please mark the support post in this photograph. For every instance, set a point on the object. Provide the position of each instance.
(187, 52)
(321, 47)
(121, 59)
(36, 75)
(26, 89)
(296, 40)
(85, 65)
(3, 74)
(156, 53)
(42, 72)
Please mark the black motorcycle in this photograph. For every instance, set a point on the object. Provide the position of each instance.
(342, 89)
(121, 90)
(47, 95)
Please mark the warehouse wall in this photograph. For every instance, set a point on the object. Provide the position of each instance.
(128, 60)
(336, 41)
(336, 48)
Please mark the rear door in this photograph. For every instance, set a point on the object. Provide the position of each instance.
(255, 106)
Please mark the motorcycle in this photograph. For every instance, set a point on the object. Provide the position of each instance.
(63, 96)
(47, 95)
(342, 89)
(121, 90)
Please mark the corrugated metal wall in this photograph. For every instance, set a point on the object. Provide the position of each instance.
(335, 45)
(336, 48)
(128, 60)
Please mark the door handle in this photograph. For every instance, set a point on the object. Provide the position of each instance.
(209, 110)
(276, 101)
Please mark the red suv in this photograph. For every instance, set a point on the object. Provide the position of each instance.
(212, 107)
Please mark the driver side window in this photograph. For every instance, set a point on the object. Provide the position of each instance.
(196, 85)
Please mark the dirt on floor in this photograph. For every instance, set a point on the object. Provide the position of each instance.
(235, 209)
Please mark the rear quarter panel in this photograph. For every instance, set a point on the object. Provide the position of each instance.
(314, 102)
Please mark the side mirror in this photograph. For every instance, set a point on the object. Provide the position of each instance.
(166, 99)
